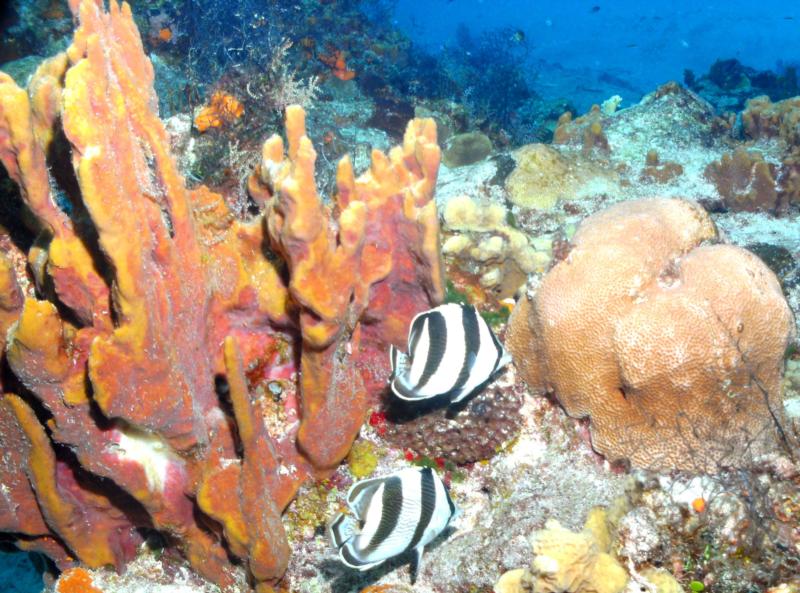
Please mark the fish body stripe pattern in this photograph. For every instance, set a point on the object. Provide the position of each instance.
(435, 329)
(391, 505)
(452, 352)
(428, 497)
(472, 340)
(416, 330)
(402, 511)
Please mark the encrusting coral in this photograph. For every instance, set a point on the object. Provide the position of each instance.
(153, 311)
(779, 121)
(673, 348)
(584, 562)
(544, 175)
(745, 181)
(482, 241)
(569, 562)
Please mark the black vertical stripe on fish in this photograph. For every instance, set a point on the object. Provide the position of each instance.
(350, 559)
(428, 504)
(405, 391)
(360, 495)
(472, 343)
(391, 505)
(338, 541)
(416, 332)
(437, 343)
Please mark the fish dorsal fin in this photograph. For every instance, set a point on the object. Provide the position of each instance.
(360, 494)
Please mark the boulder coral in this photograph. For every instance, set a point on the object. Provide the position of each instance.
(672, 346)
(150, 318)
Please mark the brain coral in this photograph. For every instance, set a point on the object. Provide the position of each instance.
(673, 348)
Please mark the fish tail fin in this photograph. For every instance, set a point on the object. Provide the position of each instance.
(341, 529)
(351, 557)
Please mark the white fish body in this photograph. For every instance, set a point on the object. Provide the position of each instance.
(392, 514)
(452, 350)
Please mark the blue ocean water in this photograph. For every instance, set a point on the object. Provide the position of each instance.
(640, 45)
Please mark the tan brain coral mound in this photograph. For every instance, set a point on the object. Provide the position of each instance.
(673, 348)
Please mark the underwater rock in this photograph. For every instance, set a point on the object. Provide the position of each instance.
(674, 349)
(661, 580)
(510, 582)
(544, 175)
(588, 561)
(466, 149)
(586, 131)
(729, 74)
(20, 70)
(764, 119)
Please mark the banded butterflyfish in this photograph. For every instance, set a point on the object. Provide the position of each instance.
(451, 350)
(391, 515)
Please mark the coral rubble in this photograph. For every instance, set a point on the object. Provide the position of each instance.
(138, 354)
(673, 348)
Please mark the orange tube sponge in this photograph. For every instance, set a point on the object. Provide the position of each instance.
(363, 271)
(673, 348)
